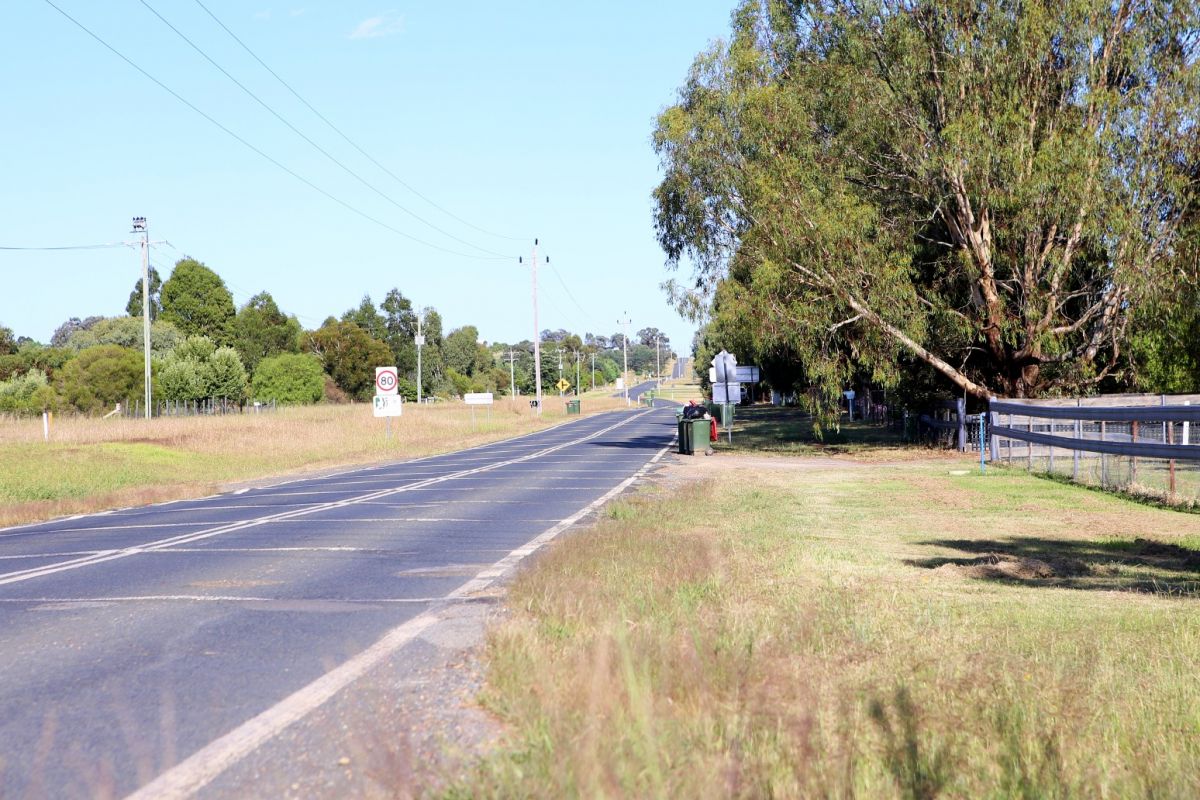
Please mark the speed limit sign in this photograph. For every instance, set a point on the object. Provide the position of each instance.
(385, 380)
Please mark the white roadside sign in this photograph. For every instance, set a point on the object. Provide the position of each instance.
(387, 381)
(747, 374)
(478, 398)
(727, 393)
(389, 405)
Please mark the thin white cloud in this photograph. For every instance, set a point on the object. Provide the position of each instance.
(388, 23)
(265, 14)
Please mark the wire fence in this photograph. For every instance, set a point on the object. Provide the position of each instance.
(1143, 444)
(212, 406)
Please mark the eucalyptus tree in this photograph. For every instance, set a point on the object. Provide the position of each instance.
(988, 189)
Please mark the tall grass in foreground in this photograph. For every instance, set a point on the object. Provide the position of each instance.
(90, 464)
(804, 643)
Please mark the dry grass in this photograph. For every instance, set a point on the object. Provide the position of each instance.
(92, 464)
(854, 630)
(681, 390)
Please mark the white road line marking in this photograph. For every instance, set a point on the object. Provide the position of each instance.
(202, 767)
(224, 598)
(187, 538)
(138, 526)
(53, 555)
(490, 520)
(330, 548)
(347, 471)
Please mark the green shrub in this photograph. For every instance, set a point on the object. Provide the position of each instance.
(100, 377)
(29, 393)
(290, 378)
(196, 369)
(224, 375)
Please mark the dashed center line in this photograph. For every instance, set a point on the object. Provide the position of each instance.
(104, 556)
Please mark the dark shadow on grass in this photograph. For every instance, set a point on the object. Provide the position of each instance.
(1141, 565)
(774, 428)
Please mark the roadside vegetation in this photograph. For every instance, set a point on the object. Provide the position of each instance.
(92, 464)
(207, 352)
(852, 625)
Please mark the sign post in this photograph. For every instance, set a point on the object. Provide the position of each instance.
(479, 399)
(388, 402)
(725, 370)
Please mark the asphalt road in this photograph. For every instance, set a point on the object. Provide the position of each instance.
(139, 643)
(637, 390)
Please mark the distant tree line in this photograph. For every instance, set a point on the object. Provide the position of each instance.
(203, 346)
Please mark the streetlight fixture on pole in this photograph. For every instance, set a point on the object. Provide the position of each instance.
(625, 354)
(140, 226)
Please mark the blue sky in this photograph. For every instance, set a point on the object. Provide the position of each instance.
(523, 119)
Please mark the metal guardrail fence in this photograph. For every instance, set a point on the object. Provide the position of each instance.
(1146, 444)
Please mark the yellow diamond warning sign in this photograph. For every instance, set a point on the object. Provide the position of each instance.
(563, 384)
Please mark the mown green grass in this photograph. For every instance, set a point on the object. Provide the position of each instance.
(53, 471)
(858, 630)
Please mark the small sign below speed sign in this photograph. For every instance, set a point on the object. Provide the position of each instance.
(385, 381)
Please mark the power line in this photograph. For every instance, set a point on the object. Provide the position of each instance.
(302, 135)
(346, 138)
(563, 283)
(74, 247)
(259, 152)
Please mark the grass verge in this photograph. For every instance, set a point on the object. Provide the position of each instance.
(853, 630)
(93, 464)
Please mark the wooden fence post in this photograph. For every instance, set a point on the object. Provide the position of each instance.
(1053, 431)
(1133, 434)
(993, 440)
(1171, 464)
(1079, 434)
(1029, 445)
(960, 408)
(1103, 456)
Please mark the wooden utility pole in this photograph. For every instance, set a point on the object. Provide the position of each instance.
(537, 334)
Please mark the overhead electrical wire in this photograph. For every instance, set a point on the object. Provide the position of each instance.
(74, 247)
(316, 146)
(346, 138)
(563, 283)
(261, 153)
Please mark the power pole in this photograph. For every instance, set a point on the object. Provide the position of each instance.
(140, 226)
(512, 375)
(593, 372)
(577, 373)
(560, 391)
(625, 354)
(537, 335)
(420, 342)
(657, 360)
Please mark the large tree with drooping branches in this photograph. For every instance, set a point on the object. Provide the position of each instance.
(987, 188)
